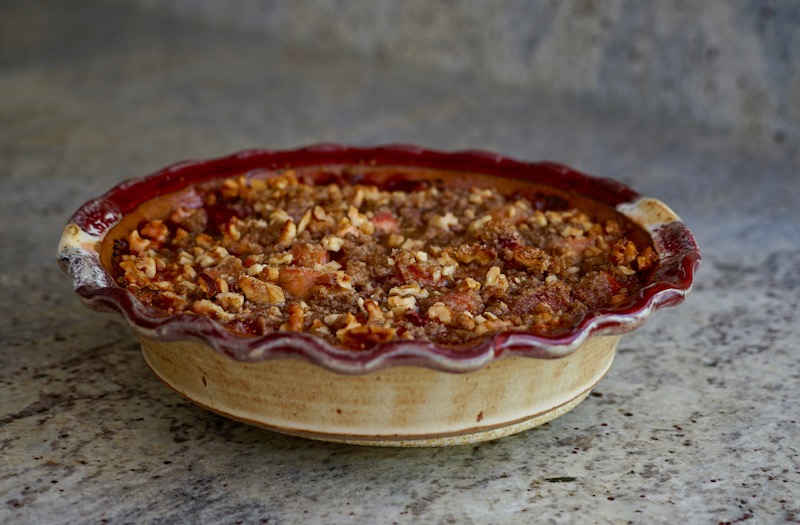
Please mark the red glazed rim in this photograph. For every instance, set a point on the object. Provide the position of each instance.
(671, 281)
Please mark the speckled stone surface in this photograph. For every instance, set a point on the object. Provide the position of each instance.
(697, 422)
(727, 63)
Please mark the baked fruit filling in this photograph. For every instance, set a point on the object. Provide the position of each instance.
(357, 264)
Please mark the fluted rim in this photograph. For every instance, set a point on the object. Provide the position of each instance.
(671, 281)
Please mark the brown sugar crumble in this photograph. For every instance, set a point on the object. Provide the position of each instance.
(357, 264)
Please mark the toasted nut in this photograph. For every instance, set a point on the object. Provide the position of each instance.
(137, 243)
(367, 228)
(612, 227)
(331, 319)
(441, 313)
(231, 230)
(212, 256)
(343, 280)
(205, 241)
(474, 253)
(412, 244)
(295, 323)
(319, 213)
(288, 232)
(189, 272)
(365, 336)
(447, 271)
(261, 292)
(358, 199)
(533, 258)
(495, 278)
(623, 252)
(180, 214)
(180, 236)
(444, 222)
(395, 240)
(477, 195)
(412, 289)
(133, 275)
(147, 265)
(328, 267)
(155, 230)
(230, 301)
(491, 325)
(318, 328)
(350, 323)
(281, 258)
(374, 311)
(211, 309)
(230, 188)
(400, 304)
(571, 231)
(554, 217)
(304, 222)
(478, 224)
(332, 243)
(279, 217)
(207, 285)
(538, 218)
(255, 269)
(356, 218)
(468, 284)
(185, 258)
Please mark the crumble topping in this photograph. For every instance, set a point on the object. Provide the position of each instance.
(357, 264)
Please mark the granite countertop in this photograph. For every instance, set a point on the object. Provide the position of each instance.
(697, 421)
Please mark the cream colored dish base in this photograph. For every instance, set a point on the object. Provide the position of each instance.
(405, 406)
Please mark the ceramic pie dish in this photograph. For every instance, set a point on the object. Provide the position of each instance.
(401, 392)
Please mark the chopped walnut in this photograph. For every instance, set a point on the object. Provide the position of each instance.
(495, 278)
(623, 252)
(304, 222)
(231, 302)
(296, 314)
(400, 304)
(137, 243)
(288, 231)
(374, 311)
(211, 309)
(478, 224)
(279, 217)
(332, 243)
(444, 221)
(155, 230)
(212, 257)
(441, 313)
(535, 259)
(281, 258)
(261, 292)
(474, 253)
(412, 289)
(468, 284)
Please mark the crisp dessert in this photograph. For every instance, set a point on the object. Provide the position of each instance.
(357, 263)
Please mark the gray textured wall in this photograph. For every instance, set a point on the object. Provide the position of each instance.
(729, 64)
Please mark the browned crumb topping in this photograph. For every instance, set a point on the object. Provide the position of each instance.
(357, 264)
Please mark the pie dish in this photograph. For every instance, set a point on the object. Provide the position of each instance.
(393, 382)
